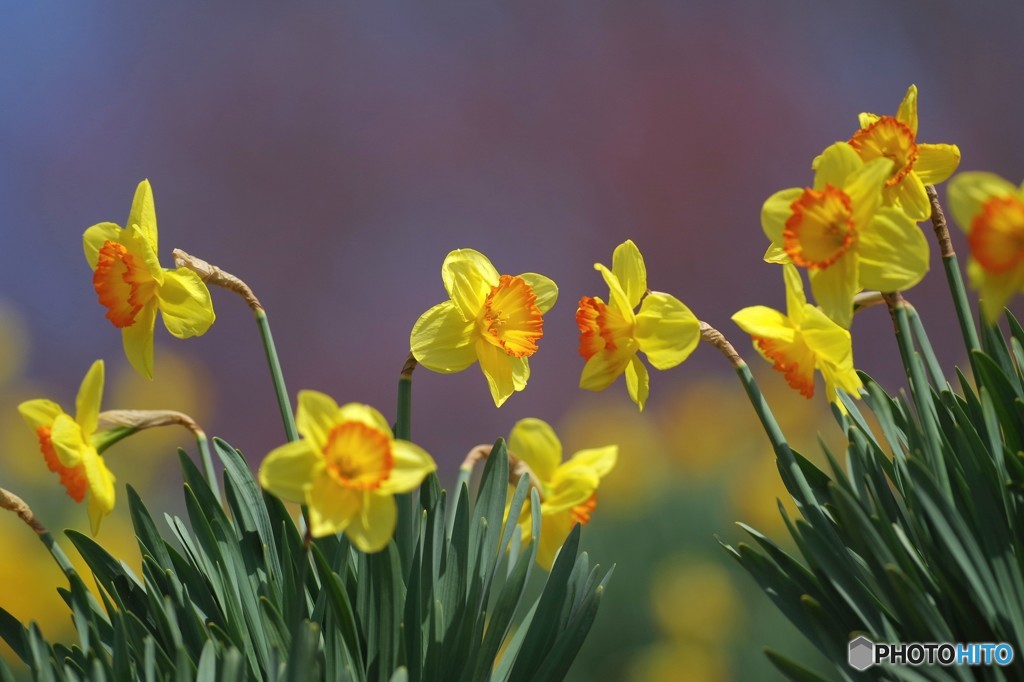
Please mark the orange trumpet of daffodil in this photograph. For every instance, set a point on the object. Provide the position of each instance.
(347, 469)
(841, 233)
(132, 286)
(491, 318)
(611, 333)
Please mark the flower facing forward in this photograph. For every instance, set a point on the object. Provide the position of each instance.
(568, 489)
(347, 469)
(802, 340)
(611, 333)
(991, 211)
(69, 445)
(132, 286)
(915, 164)
(491, 318)
(839, 231)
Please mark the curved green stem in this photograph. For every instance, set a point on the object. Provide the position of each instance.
(283, 401)
(953, 276)
(408, 528)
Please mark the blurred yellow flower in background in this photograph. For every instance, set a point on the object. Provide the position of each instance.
(491, 318)
(991, 211)
(611, 333)
(695, 600)
(132, 286)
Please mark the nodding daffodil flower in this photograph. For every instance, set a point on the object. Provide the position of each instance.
(916, 164)
(802, 340)
(491, 318)
(839, 231)
(991, 211)
(69, 445)
(132, 286)
(347, 468)
(568, 489)
(611, 333)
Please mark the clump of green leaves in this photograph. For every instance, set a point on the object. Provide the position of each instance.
(238, 593)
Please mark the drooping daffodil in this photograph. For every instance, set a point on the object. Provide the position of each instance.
(840, 231)
(568, 489)
(991, 211)
(801, 340)
(491, 318)
(132, 286)
(347, 469)
(611, 333)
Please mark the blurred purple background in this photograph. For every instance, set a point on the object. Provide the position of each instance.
(332, 155)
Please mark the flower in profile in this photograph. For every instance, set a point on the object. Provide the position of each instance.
(132, 286)
(568, 489)
(839, 231)
(802, 340)
(491, 318)
(611, 333)
(347, 469)
(71, 446)
(991, 211)
(915, 164)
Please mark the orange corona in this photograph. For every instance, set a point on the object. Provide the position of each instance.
(888, 138)
(997, 234)
(358, 457)
(799, 373)
(821, 228)
(119, 284)
(72, 478)
(581, 512)
(511, 319)
(601, 328)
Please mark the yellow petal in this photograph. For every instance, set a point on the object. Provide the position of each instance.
(90, 393)
(629, 268)
(795, 297)
(468, 277)
(776, 211)
(39, 412)
(372, 529)
(570, 486)
(442, 339)
(867, 119)
(666, 330)
(765, 323)
(864, 187)
(554, 529)
(544, 287)
(907, 113)
(68, 442)
(834, 288)
(603, 368)
(95, 237)
(101, 489)
(288, 472)
(498, 369)
(138, 340)
(835, 166)
(332, 507)
(777, 255)
(185, 303)
(617, 296)
(893, 252)
(913, 198)
(996, 289)
(969, 191)
(143, 251)
(638, 382)
(535, 442)
(600, 460)
(936, 162)
(829, 342)
(143, 213)
(366, 414)
(316, 415)
(410, 465)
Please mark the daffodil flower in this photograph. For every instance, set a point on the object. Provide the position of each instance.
(611, 333)
(991, 211)
(347, 469)
(132, 286)
(802, 340)
(568, 489)
(839, 231)
(491, 318)
(69, 445)
(916, 164)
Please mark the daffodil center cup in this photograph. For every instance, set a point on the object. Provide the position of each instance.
(888, 138)
(122, 284)
(821, 228)
(510, 318)
(581, 512)
(72, 478)
(358, 456)
(997, 234)
(601, 328)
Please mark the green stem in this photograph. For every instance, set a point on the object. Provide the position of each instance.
(408, 529)
(283, 402)
(953, 276)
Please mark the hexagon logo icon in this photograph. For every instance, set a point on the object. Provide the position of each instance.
(861, 654)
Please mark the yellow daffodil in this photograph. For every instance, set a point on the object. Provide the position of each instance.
(491, 318)
(347, 468)
(991, 211)
(611, 333)
(69, 445)
(802, 340)
(568, 489)
(132, 286)
(915, 164)
(839, 231)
